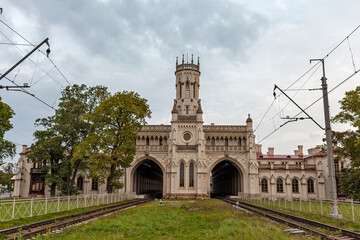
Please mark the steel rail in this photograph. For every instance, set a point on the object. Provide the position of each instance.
(294, 221)
(42, 227)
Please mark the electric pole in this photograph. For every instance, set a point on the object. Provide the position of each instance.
(329, 143)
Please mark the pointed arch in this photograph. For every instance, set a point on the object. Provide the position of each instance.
(212, 141)
(310, 185)
(187, 90)
(295, 185)
(191, 175)
(264, 185)
(182, 175)
(280, 185)
(226, 142)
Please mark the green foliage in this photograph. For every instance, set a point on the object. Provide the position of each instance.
(62, 133)
(110, 145)
(7, 148)
(348, 142)
(6, 174)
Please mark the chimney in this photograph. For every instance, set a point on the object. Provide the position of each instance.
(24, 148)
(270, 151)
(296, 152)
(259, 148)
(300, 147)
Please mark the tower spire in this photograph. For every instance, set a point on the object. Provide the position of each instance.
(183, 59)
(192, 59)
(176, 61)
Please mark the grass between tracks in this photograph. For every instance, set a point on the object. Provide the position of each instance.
(23, 221)
(341, 223)
(179, 219)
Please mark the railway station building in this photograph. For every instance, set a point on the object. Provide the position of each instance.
(188, 159)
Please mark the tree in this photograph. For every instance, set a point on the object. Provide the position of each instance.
(7, 148)
(348, 142)
(63, 132)
(6, 174)
(110, 147)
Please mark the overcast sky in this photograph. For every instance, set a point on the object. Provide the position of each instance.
(245, 47)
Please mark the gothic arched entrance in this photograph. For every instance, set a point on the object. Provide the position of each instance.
(148, 179)
(225, 179)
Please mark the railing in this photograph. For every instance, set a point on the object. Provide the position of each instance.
(225, 148)
(187, 147)
(29, 207)
(159, 148)
(290, 166)
(187, 66)
(224, 128)
(348, 209)
(156, 128)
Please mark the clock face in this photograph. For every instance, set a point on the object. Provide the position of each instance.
(187, 136)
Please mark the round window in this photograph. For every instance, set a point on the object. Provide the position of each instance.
(187, 136)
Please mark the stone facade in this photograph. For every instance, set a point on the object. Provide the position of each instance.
(188, 159)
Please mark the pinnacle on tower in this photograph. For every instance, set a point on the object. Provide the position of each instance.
(192, 60)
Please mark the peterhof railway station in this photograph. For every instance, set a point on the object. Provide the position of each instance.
(188, 160)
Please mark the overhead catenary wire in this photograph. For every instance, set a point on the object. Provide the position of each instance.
(312, 104)
(27, 92)
(12, 29)
(317, 64)
(32, 60)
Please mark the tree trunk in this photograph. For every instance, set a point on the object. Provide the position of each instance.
(110, 179)
(52, 189)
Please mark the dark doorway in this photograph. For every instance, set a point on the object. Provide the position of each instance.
(225, 179)
(148, 179)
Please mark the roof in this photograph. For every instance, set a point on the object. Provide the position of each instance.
(280, 157)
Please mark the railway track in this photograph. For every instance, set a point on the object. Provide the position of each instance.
(306, 225)
(33, 229)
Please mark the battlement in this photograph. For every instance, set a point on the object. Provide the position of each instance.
(187, 65)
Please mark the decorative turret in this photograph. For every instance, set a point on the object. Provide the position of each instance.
(249, 123)
(187, 105)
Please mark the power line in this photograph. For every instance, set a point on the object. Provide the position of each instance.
(12, 29)
(318, 65)
(27, 92)
(312, 104)
(32, 60)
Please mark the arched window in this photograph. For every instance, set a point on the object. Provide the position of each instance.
(94, 184)
(310, 186)
(187, 90)
(264, 185)
(182, 180)
(180, 86)
(226, 143)
(295, 185)
(194, 89)
(279, 185)
(212, 141)
(160, 141)
(239, 142)
(80, 183)
(191, 175)
(147, 141)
